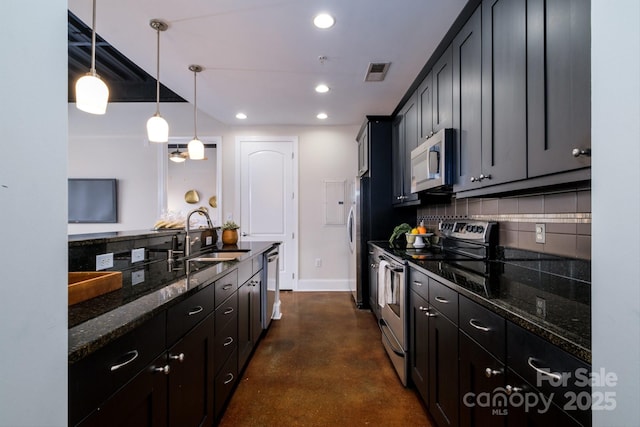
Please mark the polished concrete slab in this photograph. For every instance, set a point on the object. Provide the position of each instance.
(322, 364)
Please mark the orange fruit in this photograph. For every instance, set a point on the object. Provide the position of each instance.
(422, 229)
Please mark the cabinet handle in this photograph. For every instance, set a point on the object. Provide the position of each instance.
(482, 177)
(166, 369)
(178, 357)
(474, 179)
(510, 390)
(577, 152)
(227, 287)
(228, 311)
(491, 372)
(196, 310)
(374, 266)
(423, 308)
(133, 356)
(442, 300)
(544, 371)
(228, 341)
(473, 322)
(417, 283)
(230, 378)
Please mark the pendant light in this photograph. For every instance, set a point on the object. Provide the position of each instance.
(195, 146)
(92, 94)
(157, 127)
(177, 156)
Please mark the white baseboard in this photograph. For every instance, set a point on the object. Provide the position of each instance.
(318, 285)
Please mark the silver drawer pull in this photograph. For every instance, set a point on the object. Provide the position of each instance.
(134, 355)
(491, 372)
(166, 369)
(442, 300)
(228, 311)
(417, 283)
(178, 357)
(423, 308)
(473, 322)
(510, 390)
(230, 378)
(196, 310)
(228, 341)
(227, 287)
(544, 371)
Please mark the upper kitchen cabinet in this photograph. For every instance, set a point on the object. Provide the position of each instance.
(435, 98)
(405, 139)
(374, 147)
(363, 151)
(559, 85)
(504, 91)
(467, 103)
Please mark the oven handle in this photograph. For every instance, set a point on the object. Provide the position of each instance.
(393, 266)
(382, 325)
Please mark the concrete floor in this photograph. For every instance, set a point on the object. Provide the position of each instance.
(322, 364)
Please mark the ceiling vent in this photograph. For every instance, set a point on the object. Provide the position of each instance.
(377, 71)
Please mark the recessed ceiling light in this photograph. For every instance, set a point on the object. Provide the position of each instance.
(241, 116)
(324, 20)
(322, 116)
(322, 88)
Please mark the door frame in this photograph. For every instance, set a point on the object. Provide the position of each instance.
(294, 185)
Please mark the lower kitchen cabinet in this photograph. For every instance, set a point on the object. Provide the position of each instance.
(419, 344)
(481, 374)
(140, 403)
(190, 380)
(443, 369)
(249, 318)
(373, 282)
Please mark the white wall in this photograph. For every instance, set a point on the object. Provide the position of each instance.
(115, 146)
(33, 211)
(616, 201)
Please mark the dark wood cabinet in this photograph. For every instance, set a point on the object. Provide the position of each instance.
(467, 103)
(373, 282)
(405, 138)
(249, 318)
(559, 85)
(190, 381)
(425, 107)
(443, 369)
(363, 152)
(443, 92)
(419, 344)
(504, 91)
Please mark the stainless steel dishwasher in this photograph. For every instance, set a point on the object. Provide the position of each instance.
(271, 296)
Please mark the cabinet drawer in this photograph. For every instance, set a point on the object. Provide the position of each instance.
(224, 383)
(226, 312)
(99, 375)
(188, 313)
(484, 326)
(547, 367)
(245, 271)
(226, 286)
(225, 343)
(444, 299)
(419, 282)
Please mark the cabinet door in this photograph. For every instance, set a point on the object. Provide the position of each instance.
(443, 92)
(559, 84)
(443, 370)
(244, 323)
(142, 402)
(397, 159)
(476, 383)
(504, 91)
(373, 285)
(363, 152)
(467, 103)
(419, 344)
(255, 307)
(191, 381)
(425, 107)
(410, 113)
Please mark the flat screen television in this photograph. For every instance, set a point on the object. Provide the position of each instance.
(93, 200)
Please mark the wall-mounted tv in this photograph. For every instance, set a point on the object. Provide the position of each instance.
(93, 200)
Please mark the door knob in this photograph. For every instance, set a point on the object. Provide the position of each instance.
(244, 234)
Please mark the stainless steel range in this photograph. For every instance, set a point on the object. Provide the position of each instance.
(464, 251)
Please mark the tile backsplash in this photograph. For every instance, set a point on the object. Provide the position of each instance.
(566, 215)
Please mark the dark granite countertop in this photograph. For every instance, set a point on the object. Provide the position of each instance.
(546, 295)
(98, 321)
(115, 236)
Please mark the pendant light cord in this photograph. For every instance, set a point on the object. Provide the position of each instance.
(157, 72)
(93, 41)
(195, 104)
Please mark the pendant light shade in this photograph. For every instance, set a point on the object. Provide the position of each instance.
(195, 146)
(157, 127)
(92, 94)
(176, 156)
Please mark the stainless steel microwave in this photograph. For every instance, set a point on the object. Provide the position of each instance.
(432, 163)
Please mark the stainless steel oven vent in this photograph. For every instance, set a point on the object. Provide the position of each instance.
(377, 71)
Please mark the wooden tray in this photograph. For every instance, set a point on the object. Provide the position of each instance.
(84, 285)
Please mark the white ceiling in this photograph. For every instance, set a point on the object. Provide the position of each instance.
(261, 56)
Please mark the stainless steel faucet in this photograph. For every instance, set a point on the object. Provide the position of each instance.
(187, 240)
